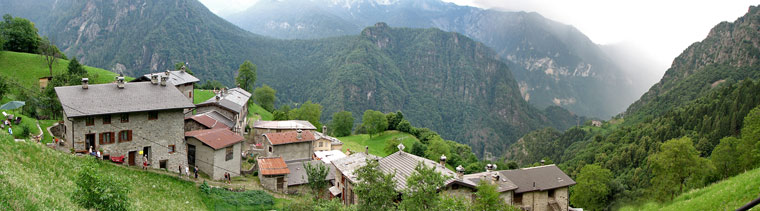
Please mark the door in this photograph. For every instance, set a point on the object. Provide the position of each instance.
(146, 152)
(89, 140)
(132, 155)
(191, 155)
(280, 183)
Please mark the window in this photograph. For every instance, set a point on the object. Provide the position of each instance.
(172, 149)
(107, 119)
(106, 138)
(551, 193)
(125, 135)
(88, 121)
(517, 199)
(270, 148)
(124, 118)
(229, 153)
(320, 144)
(153, 115)
(162, 164)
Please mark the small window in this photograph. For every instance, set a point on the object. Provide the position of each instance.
(124, 118)
(106, 119)
(172, 149)
(270, 148)
(320, 144)
(517, 199)
(88, 121)
(551, 193)
(153, 115)
(125, 135)
(162, 164)
(229, 153)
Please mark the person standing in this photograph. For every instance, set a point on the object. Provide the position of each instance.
(195, 169)
(179, 173)
(145, 162)
(187, 171)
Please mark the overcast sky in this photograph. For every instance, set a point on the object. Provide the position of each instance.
(660, 28)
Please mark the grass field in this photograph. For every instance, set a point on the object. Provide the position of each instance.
(254, 111)
(728, 194)
(26, 121)
(377, 143)
(28, 68)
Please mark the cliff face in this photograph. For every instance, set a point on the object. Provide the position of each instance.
(730, 52)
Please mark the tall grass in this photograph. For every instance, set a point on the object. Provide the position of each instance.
(377, 143)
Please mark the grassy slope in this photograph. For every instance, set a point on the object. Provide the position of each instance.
(253, 109)
(728, 194)
(376, 143)
(28, 122)
(34, 177)
(28, 68)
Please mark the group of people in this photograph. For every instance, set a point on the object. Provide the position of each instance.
(7, 123)
(93, 152)
(186, 171)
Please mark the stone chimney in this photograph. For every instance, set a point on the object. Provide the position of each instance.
(460, 172)
(495, 178)
(298, 134)
(166, 73)
(85, 83)
(154, 79)
(182, 69)
(120, 82)
(542, 162)
(218, 98)
(324, 129)
(164, 79)
(442, 160)
(489, 167)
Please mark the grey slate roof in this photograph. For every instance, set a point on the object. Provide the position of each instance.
(285, 125)
(333, 140)
(349, 164)
(108, 99)
(403, 165)
(235, 100)
(472, 180)
(544, 177)
(298, 174)
(175, 77)
(219, 117)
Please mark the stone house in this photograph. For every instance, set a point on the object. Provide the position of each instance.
(122, 119)
(208, 120)
(298, 179)
(262, 127)
(326, 143)
(541, 188)
(232, 104)
(403, 164)
(291, 146)
(345, 178)
(273, 173)
(179, 78)
(214, 151)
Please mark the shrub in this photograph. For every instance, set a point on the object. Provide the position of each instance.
(100, 192)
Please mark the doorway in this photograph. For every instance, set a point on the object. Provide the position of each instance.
(146, 153)
(89, 140)
(132, 155)
(280, 183)
(191, 155)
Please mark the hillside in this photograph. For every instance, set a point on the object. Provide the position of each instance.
(729, 53)
(376, 144)
(27, 68)
(554, 63)
(728, 194)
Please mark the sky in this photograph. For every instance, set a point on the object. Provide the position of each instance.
(660, 29)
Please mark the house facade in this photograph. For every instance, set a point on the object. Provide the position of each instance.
(273, 173)
(232, 104)
(326, 143)
(124, 119)
(345, 177)
(298, 179)
(291, 146)
(262, 127)
(214, 151)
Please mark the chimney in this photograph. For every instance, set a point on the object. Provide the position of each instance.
(489, 167)
(120, 82)
(401, 147)
(494, 177)
(324, 129)
(217, 98)
(442, 161)
(154, 79)
(182, 69)
(85, 82)
(166, 73)
(366, 150)
(542, 162)
(298, 134)
(460, 172)
(164, 79)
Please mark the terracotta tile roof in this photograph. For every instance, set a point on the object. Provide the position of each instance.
(215, 138)
(289, 137)
(272, 166)
(212, 119)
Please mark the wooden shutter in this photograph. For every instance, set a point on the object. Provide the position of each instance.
(129, 135)
(112, 138)
(101, 139)
(120, 139)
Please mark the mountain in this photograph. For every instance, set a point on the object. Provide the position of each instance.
(729, 53)
(441, 80)
(554, 63)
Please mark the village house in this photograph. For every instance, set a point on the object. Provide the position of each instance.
(402, 165)
(232, 104)
(262, 127)
(541, 188)
(178, 78)
(273, 173)
(596, 123)
(345, 178)
(208, 120)
(214, 151)
(291, 145)
(326, 143)
(123, 119)
(298, 179)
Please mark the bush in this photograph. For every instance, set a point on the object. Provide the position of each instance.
(100, 192)
(221, 199)
(22, 131)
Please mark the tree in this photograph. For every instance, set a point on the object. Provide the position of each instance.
(316, 176)
(404, 126)
(74, 72)
(50, 53)
(724, 157)
(20, 34)
(342, 123)
(309, 111)
(592, 189)
(676, 163)
(748, 147)
(391, 146)
(246, 76)
(394, 119)
(374, 122)
(437, 147)
(100, 192)
(265, 97)
(419, 149)
(487, 198)
(422, 189)
(376, 190)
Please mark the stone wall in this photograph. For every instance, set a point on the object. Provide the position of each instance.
(270, 182)
(562, 196)
(191, 125)
(213, 162)
(157, 134)
(293, 151)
